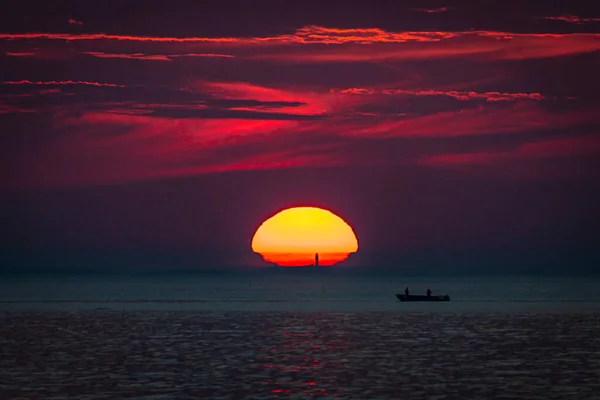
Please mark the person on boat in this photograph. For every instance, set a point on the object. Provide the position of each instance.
(406, 292)
(428, 292)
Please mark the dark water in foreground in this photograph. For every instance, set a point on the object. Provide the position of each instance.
(268, 355)
(298, 336)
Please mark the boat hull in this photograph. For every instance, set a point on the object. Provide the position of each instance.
(412, 297)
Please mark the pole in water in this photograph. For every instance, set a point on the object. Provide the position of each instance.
(316, 259)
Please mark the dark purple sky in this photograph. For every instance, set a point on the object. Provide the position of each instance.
(462, 131)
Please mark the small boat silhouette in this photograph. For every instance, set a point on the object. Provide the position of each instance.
(412, 297)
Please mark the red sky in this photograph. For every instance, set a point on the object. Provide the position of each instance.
(104, 98)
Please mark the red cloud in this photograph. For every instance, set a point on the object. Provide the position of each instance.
(520, 117)
(142, 146)
(153, 57)
(206, 133)
(574, 19)
(313, 103)
(307, 35)
(49, 91)
(150, 148)
(587, 145)
(75, 22)
(131, 56)
(28, 82)
(301, 157)
(363, 44)
(19, 54)
(459, 95)
(10, 109)
(216, 55)
(338, 108)
(101, 36)
(432, 10)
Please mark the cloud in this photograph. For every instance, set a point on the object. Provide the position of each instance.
(573, 19)
(306, 35)
(131, 56)
(106, 147)
(311, 103)
(20, 54)
(50, 91)
(482, 120)
(564, 147)
(210, 55)
(228, 100)
(141, 147)
(459, 95)
(145, 132)
(364, 111)
(74, 22)
(10, 109)
(305, 45)
(239, 113)
(479, 45)
(432, 10)
(153, 57)
(68, 82)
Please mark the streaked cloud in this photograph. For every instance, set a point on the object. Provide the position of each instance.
(153, 57)
(316, 96)
(565, 147)
(573, 19)
(69, 82)
(131, 56)
(19, 54)
(349, 45)
(459, 95)
(432, 10)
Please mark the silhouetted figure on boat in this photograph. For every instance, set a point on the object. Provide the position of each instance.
(428, 292)
(406, 291)
(316, 259)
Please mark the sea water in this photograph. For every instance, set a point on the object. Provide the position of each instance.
(296, 291)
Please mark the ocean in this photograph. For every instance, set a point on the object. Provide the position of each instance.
(297, 291)
(298, 335)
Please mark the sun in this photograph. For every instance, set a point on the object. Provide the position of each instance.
(303, 236)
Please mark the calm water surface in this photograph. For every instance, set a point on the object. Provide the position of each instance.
(297, 292)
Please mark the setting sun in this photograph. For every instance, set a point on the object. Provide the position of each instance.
(293, 237)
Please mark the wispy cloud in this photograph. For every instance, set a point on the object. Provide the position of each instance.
(154, 57)
(10, 109)
(210, 55)
(20, 54)
(213, 100)
(49, 91)
(130, 56)
(459, 95)
(311, 103)
(150, 147)
(351, 45)
(573, 19)
(206, 106)
(306, 35)
(471, 122)
(68, 82)
(565, 147)
(432, 10)
(74, 22)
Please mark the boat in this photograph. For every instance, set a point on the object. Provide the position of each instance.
(412, 297)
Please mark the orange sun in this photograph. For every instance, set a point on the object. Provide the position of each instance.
(294, 237)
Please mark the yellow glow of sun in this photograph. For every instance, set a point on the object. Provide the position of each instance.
(292, 237)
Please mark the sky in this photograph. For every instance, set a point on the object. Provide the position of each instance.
(458, 134)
